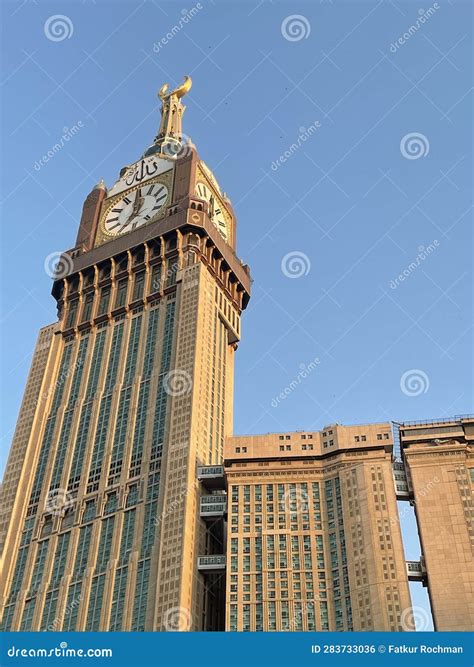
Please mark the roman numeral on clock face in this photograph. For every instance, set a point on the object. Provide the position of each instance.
(202, 191)
(136, 208)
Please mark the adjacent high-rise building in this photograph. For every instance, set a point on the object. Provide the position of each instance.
(439, 465)
(129, 391)
(314, 541)
(128, 504)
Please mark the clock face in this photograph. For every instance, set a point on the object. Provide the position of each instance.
(216, 209)
(135, 209)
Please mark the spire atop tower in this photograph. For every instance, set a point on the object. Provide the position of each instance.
(170, 135)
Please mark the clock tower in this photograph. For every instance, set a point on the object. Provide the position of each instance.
(129, 396)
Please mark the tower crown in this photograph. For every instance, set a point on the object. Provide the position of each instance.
(169, 139)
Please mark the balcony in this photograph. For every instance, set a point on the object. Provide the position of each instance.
(213, 507)
(416, 570)
(400, 479)
(211, 563)
(211, 477)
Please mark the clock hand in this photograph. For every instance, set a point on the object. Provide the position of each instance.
(137, 204)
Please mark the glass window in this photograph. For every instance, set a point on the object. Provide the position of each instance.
(155, 278)
(138, 286)
(87, 310)
(71, 318)
(104, 300)
(121, 295)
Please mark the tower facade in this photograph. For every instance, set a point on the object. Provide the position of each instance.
(130, 391)
(439, 464)
(314, 541)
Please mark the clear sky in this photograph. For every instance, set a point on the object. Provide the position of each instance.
(357, 200)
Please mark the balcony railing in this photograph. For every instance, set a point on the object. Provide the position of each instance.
(211, 563)
(210, 471)
(416, 570)
(403, 490)
(445, 420)
(212, 477)
(213, 506)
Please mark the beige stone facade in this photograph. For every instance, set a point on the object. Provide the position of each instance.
(102, 521)
(314, 541)
(439, 457)
(23, 451)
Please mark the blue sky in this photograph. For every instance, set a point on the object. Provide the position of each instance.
(326, 232)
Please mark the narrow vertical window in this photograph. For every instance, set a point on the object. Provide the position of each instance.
(104, 300)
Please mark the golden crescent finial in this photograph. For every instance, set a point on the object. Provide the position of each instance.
(180, 91)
